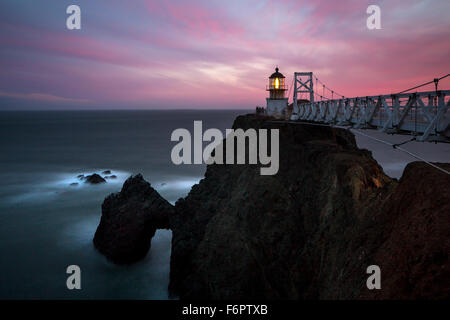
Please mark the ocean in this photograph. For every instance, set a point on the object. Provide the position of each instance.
(47, 224)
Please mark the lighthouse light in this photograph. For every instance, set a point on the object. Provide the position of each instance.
(277, 83)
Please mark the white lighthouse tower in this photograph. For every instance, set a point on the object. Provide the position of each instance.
(277, 102)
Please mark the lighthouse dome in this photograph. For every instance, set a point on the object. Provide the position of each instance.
(276, 74)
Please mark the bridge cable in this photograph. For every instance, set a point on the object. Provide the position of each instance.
(395, 145)
(435, 81)
(373, 138)
(403, 150)
(329, 89)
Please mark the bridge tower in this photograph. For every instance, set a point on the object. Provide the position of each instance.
(303, 83)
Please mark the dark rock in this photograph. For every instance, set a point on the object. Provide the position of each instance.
(111, 177)
(414, 227)
(311, 230)
(73, 184)
(106, 172)
(129, 221)
(308, 232)
(94, 179)
(81, 176)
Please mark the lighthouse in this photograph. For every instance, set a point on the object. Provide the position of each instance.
(277, 102)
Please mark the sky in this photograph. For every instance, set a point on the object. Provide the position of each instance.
(197, 54)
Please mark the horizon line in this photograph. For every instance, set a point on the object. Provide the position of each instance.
(64, 110)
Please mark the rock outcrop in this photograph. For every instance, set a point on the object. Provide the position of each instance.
(414, 236)
(311, 230)
(129, 221)
(308, 232)
(94, 179)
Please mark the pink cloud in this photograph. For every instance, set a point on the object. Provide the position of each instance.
(197, 19)
(220, 54)
(42, 97)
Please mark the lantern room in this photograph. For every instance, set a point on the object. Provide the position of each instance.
(277, 102)
(277, 85)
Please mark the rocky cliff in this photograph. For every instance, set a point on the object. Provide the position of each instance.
(308, 232)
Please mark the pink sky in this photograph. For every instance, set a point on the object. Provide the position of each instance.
(213, 54)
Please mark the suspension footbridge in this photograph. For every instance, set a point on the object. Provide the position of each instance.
(422, 114)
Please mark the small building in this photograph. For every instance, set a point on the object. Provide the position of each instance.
(277, 102)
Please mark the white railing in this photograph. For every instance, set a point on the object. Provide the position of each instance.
(424, 114)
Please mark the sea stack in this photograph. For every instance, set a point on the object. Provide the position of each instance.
(129, 221)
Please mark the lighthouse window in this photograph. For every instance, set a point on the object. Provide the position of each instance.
(277, 83)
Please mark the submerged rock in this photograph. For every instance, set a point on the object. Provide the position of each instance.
(74, 184)
(129, 221)
(106, 172)
(111, 177)
(81, 176)
(94, 179)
